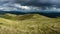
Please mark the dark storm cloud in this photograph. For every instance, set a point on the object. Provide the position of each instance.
(30, 2)
(39, 2)
(33, 2)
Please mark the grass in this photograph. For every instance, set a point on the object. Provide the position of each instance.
(29, 24)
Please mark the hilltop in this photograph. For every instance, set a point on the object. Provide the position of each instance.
(28, 24)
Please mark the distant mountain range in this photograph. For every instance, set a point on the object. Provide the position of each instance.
(48, 14)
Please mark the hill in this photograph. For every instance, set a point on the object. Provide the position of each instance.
(28, 24)
(51, 14)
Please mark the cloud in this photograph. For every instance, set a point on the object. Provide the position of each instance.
(33, 2)
(39, 2)
(30, 5)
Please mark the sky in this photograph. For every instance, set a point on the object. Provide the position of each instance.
(30, 5)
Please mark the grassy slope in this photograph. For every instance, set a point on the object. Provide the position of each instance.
(29, 25)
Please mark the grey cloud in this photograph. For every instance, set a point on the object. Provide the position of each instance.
(39, 2)
(33, 2)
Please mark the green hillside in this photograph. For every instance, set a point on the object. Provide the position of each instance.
(28, 24)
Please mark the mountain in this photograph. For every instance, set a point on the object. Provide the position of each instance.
(47, 14)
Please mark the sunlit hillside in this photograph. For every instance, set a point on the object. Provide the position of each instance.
(28, 24)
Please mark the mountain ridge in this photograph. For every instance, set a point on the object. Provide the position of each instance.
(47, 14)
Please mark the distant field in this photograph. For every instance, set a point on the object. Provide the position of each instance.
(28, 24)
